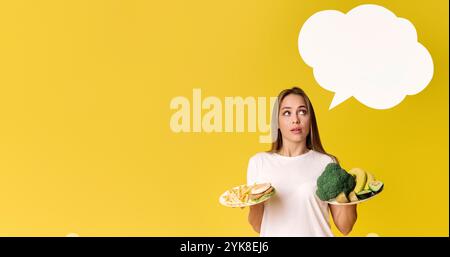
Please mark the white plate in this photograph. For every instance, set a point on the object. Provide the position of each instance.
(333, 201)
(241, 204)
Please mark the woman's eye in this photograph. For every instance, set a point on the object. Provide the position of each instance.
(303, 112)
(286, 113)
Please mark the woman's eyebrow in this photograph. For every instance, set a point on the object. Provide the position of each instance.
(288, 107)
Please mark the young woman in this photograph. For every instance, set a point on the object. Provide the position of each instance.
(292, 166)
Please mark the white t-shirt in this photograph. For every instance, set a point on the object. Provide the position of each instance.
(294, 210)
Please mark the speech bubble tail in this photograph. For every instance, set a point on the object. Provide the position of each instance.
(337, 99)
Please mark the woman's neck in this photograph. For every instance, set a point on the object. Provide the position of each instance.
(293, 149)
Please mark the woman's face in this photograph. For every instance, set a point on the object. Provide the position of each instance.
(294, 119)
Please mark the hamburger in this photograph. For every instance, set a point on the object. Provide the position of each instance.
(261, 192)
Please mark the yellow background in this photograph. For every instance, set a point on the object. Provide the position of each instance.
(85, 141)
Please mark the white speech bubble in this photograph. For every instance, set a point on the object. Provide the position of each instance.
(368, 53)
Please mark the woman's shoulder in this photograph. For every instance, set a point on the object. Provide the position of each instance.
(260, 156)
(325, 158)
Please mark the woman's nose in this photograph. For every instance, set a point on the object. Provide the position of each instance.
(296, 120)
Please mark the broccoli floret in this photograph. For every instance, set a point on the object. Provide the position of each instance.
(333, 181)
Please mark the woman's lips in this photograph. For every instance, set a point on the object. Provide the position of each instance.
(296, 130)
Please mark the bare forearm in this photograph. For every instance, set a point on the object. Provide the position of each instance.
(344, 217)
(255, 217)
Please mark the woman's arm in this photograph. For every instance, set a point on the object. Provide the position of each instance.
(255, 216)
(344, 217)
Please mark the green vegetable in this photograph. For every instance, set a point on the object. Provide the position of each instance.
(333, 181)
(375, 186)
(370, 178)
(361, 178)
(364, 194)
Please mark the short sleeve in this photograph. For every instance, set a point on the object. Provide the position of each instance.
(252, 172)
(332, 160)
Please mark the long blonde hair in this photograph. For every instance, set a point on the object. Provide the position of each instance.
(313, 139)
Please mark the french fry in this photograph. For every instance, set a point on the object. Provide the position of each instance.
(238, 196)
